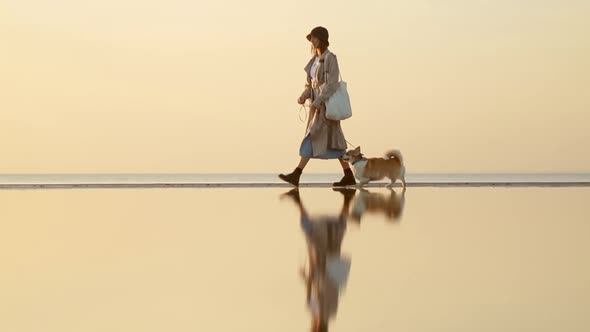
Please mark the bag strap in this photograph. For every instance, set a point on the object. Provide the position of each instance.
(326, 68)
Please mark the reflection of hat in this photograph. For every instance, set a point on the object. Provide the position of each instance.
(320, 33)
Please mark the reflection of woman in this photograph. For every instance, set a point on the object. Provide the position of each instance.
(324, 237)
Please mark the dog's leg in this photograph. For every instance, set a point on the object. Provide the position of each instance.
(403, 177)
(390, 184)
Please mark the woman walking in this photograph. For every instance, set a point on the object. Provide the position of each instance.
(324, 138)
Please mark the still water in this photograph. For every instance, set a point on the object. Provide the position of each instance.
(270, 259)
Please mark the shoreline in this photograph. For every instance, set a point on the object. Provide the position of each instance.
(281, 185)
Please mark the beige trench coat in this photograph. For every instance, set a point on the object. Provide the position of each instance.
(325, 134)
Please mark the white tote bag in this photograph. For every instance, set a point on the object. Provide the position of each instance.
(338, 105)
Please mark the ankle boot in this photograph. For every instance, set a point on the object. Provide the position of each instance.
(293, 177)
(347, 180)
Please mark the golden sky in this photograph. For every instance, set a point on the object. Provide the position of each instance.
(170, 86)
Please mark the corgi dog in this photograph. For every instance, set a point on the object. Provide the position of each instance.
(373, 169)
(389, 205)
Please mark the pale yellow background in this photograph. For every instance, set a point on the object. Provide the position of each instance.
(195, 86)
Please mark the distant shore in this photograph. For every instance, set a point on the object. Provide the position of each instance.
(282, 185)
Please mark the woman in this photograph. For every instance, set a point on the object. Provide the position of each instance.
(323, 138)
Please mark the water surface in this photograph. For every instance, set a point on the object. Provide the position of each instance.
(441, 259)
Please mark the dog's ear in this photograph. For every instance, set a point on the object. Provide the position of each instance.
(358, 148)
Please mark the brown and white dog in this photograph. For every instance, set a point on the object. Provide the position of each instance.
(373, 169)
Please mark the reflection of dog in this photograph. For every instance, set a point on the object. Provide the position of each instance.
(372, 169)
(390, 205)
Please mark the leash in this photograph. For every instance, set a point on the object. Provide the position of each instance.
(304, 108)
(351, 145)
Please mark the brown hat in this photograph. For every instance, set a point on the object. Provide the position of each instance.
(320, 33)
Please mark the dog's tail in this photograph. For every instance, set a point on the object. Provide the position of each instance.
(395, 154)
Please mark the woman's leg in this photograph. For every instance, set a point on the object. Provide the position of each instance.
(302, 162)
(344, 163)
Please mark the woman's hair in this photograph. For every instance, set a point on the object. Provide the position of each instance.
(322, 46)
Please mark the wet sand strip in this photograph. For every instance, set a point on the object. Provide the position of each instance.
(281, 185)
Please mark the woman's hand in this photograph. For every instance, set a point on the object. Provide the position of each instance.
(301, 101)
